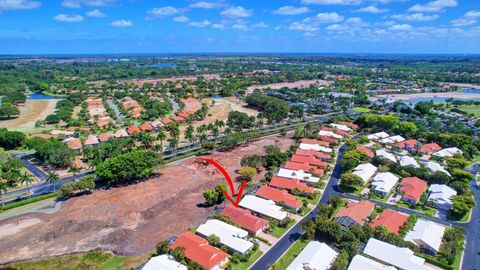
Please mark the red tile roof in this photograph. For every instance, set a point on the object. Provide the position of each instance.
(367, 150)
(309, 160)
(313, 153)
(413, 188)
(177, 118)
(279, 196)
(105, 136)
(310, 141)
(146, 127)
(184, 114)
(74, 144)
(244, 218)
(290, 184)
(303, 167)
(390, 219)
(358, 212)
(349, 124)
(133, 129)
(198, 250)
(328, 139)
(166, 121)
(430, 148)
(407, 144)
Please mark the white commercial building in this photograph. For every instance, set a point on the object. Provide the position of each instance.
(426, 234)
(435, 167)
(360, 262)
(448, 152)
(300, 175)
(229, 235)
(262, 206)
(341, 127)
(441, 196)
(316, 147)
(402, 258)
(408, 161)
(392, 140)
(378, 136)
(315, 255)
(386, 155)
(330, 134)
(164, 262)
(365, 171)
(384, 182)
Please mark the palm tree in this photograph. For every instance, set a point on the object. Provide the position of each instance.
(161, 136)
(52, 178)
(26, 179)
(173, 143)
(74, 170)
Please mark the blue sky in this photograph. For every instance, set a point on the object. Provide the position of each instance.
(184, 26)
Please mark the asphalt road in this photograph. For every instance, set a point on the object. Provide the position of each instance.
(289, 238)
(471, 258)
(114, 107)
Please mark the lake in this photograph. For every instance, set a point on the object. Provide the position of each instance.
(160, 65)
(37, 96)
(444, 99)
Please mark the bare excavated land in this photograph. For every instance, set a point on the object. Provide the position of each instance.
(127, 220)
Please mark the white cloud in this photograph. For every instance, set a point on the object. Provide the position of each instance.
(336, 27)
(309, 34)
(94, 3)
(259, 25)
(68, 18)
(400, 27)
(204, 23)
(96, 14)
(122, 23)
(162, 12)
(389, 23)
(181, 19)
(372, 9)
(469, 18)
(416, 17)
(206, 5)
(6, 5)
(218, 26)
(327, 17)
(236, 12)
(332, 2)
(290, 10)
(434, 6)
(302, 27)
(240, 26)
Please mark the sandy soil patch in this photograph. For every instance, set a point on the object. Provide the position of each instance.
(465, 85)
(128, 220)
(459, 95)
(18, 226)
(32, 111)
(295, 84)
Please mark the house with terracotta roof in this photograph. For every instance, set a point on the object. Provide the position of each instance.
(105, 136)
(146, 127)
(198, 250)
(412, 189)
(281, 197)
(184, 114)
(121, 133)
(166, 121)
(313, 153)
(245, 219)
(133, 129)
(290, 184)
(355, 213)
(74, 144)
(350, 125)
(177, 118)
(409, 145)
(309, 160)
(303, 167)
(327, 139)
(430, 148)
(390, 219)
(91, 140)
(367, 150)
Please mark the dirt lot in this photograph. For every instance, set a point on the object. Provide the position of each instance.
(127, 220)
(295, 84)
(32, 111)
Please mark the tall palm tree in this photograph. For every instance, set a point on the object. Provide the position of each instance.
(52, 178)
(27, 180)
(161, 137)
(74, 170)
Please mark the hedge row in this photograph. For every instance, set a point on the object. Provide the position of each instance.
(28, 201)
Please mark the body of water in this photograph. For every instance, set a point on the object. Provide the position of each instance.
(443, 99)
(42, 96)
(161, 65)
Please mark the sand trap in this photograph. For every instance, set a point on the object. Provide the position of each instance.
(18, 226)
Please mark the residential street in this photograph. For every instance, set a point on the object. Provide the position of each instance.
(471, 258)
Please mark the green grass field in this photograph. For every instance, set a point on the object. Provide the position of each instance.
(279, 231)
(86, 261)
(252, 259)
(361, 109)
(290, 255)
(471, 109)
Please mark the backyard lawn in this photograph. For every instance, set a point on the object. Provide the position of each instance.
(252, 259)
(279, 231)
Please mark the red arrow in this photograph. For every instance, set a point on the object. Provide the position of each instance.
(230, 183)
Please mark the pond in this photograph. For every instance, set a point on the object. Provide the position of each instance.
(159, 65)
(37, 96)
(444, 99)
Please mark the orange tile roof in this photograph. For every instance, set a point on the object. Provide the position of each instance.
(303, 167)
(198, 250)
(309, 160)
(358, 212)
(74, 144)
(279, 196)
(413, 188)
(310, 153)
(184, 114)
(244, 218)
(105, 136)
(310, 141)
(407, 144)
(177, 118)
(390, 219)
(349, 124)
(290, 184)
(367, 150)
(166, 121)
(430, 148)
(328, 139)
(133, 129)
(146, 127)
